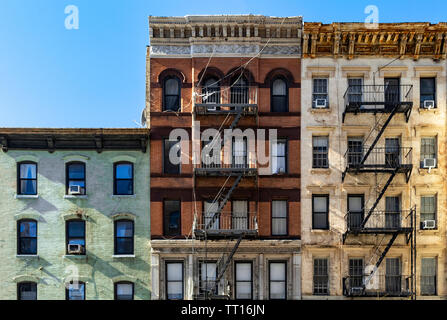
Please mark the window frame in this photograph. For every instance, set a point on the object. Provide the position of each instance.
(314, 93)
(67, 176)
(201, 263)
(327, 211)
(282, 78)
(435, 83)
(435, 146)
(286, 218)
(19, 237)
(116, 222)
(435, 213)
(19, 284)
(215, 88)
(251, 278)
(179, 166)
(67, 290)
(286, 154)
(19, 179)
(165, 218)
(327, 293)
(167, 280)
(315, 153)
(115, 179)
(435, 277)
(67, 236)
(179, 93)
(115, 290)
(285, 278)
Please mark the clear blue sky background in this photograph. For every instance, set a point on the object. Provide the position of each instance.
(95, 76)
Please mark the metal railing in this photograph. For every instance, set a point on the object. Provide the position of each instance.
(380, 220)
(227, 99)
(379, 284)
(384, 157)
(378, 97)
(229, 222)
(238, 163)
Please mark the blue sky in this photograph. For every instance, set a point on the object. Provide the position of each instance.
(95, 76)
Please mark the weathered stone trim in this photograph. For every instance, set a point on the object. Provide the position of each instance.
(27, 215)
(76, 157)
(124, 158)
(124, 215)
(27, 158)
(26, 278)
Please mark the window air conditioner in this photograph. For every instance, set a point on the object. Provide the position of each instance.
(75, 249)
(74, 190)
(429, 163)
(429, 104)
(320, 103)
(428, 224)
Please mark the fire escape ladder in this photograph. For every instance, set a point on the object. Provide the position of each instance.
(236, 119)
(382, 256)
(382, 192)
(382, 129)
(224, 202)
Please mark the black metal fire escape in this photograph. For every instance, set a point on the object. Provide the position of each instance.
(386, 101)
(237, 104)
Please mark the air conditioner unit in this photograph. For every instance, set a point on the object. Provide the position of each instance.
(75, 249)
(429, 163)
(211, 108)
(429, 224)
(429, 104)
(355, 291)
(74, 190)
(320, 103)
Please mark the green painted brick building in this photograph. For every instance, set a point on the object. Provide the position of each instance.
(74, 218)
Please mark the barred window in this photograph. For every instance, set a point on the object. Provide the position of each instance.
(320, 91)
(428, 276)
(320, 147)
(428, 149)
(321, 277)
(355, 89)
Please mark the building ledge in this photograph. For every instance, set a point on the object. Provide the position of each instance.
(321, 171)
(119, 196)
(27, 256)
(123, 256)
(26, 196)
(322, 110)
(71, 196)
(75, 256)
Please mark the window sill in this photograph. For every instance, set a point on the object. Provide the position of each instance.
(70, 196)
(123, 256)
(424, 172)
(326, 171)
(423, 110)
(118, 196)
(322, 110)
(25, 256)
(76, 256)
(320, 231)
(26, 196)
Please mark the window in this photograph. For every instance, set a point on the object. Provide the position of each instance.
(75, 176)
(75, 237)
(75, 291)
(355, 86)
(320, 212)
(278, 280)
(174, 280)
(279, 157)
(428, 208)
(280, 96)
(320, 152)
(27, 291)
(27, 184)
(239, 149)
(355, 211)
(392, 152)
(124, 290)
(355, 150)
(428, 276)
(124, 234)
(244, 280)
(321, 277)
(239, 91)
(27, 237)
(168, 166)
(171, 218)
(320, 92)
(355, 273)
(211, 91)
(239, 216)
(428, 90)
(392, 213)
(208, 275)
(123, 178)
(428, 149)
(210, 208)
(279, 218)
(171, 94)
(392, 92)
(393, 276)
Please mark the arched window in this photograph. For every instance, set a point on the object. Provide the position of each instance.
(75, 178)
(239, 91)
(124, 237)
(27, 291)
(211, 91)
(75, 291)
(279, 95)
(123, 178)
(27, 237)
(171, 94)
(27, 178)
(124, 290)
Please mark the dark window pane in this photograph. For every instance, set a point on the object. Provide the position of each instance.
(124, 171)
(28, 171)
(124, 245)
(124, 229)
(77, 241)
(76, 229)
(28, 187)
(76, 291)
(27, 291)
(169, 167)
(124, 187)
(28, 246)
(172, 217)
(28, 229)
(124, 291)
(76, 171)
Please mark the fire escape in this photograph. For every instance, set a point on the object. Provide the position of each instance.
(231, 103)
(384, 101)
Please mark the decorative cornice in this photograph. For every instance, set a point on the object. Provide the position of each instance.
(349, 40)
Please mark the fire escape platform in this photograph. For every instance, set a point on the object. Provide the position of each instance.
(222, 171)
(375, 231)
(219, 234)
(377, 107)
(379, 168)
(205, 109)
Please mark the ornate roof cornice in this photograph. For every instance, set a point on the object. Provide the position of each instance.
(353, 40)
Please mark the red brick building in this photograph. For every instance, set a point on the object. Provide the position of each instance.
(225, 229)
